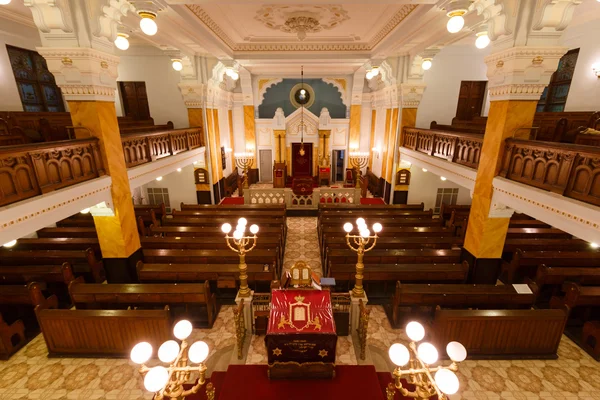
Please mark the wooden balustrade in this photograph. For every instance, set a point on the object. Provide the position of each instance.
(567, 169)
(460, 148)
(141, 148)
(33, 169)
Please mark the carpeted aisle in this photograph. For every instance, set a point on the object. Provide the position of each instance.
(251, 382)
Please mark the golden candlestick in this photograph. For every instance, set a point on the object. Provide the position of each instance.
(239, 243)
(244, 161)
(364, 242)
(428, 381)
(359, 160)
(167, 382)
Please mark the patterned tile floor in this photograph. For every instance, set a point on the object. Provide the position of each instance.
(29, 374)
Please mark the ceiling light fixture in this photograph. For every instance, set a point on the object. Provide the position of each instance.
(178, 169)
(159, 178)
(443, 178)
(121, 41)
(147, 23)
(177, 64)
(455, 11)
(372, 73)
(5, 2)
(426, 64)
(424, 169)
(483, 40)
(12, 242)
(232, 73)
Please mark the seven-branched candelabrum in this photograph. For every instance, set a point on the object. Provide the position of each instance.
(427, 380)
(241, 244)
(167, 382)
(244, 161)
(359, 160)
(361, 243)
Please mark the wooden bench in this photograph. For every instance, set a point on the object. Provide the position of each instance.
(102, 333)
(86, 232)
(359, 209)
(235, 208)
(222, 276)
(83, 263)
(501, 334)
(576, 295)
(55, 277)
(415, 297)
(524, 263)
(538, 233)
(192, 301)
(551, 279)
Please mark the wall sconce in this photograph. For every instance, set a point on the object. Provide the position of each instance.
(596, 69)
(372, 73)
(376, 151)
(177, 64)
(232, 73)
(159, 179)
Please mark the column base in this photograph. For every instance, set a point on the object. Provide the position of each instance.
(355, 311)
(248, 318)
(482, 270)
(122, 270)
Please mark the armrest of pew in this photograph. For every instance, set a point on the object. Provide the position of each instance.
(7, 333)
(141, 227)
(155, 221)
(211, 306)
(37, 297)
(96, 266)
(67, 272)
(510, 268)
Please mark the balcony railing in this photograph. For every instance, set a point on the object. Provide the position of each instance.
(141, 148)
(460, 148)
(32, 169)
(567, 169)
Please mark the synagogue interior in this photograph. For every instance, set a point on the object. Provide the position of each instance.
(224, 199)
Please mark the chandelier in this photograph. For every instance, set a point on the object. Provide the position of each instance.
(302, 24)
(303, 98)
(428, 381)
(167, 382)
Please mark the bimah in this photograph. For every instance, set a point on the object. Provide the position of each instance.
(301, 337)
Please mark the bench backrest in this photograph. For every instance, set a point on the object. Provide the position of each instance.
(201, 272)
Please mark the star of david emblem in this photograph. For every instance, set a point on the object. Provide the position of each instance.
(277, 352)
(323, 353)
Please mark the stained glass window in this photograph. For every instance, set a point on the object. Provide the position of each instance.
(555, 94)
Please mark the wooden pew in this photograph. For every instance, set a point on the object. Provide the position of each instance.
(511, 245)
(17, 318)
(102, 333)
(546, 276)
(83, 263)
(199, 231)
(182, 220)
(188, 300)
(55, 277)
(87, 232)
(415, 296)
(524, 263)
(222, 276)
(539, 233)
(501, 334)
(380, 280)
(577, 296)
(234, 208)
(352, 208)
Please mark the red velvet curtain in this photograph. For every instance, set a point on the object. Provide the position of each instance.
(302, 165)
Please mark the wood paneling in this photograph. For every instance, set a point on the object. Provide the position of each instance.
(470, 99)
(135, 100)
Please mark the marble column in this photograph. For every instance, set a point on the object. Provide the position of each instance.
(279, 136)
(386, 144)
(87, 78)
(250, 130)
(372, 139)
(517, 78)
(354, 137)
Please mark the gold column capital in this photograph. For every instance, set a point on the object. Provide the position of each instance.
(324, 133)
(279, 133)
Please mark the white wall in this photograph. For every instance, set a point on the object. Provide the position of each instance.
(424, 185)
(181, 185)
(379, 140)
(453, 64)
(583, 32)
(19, 36)
(164, 97)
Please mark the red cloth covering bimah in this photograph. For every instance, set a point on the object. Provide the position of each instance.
(301, 327)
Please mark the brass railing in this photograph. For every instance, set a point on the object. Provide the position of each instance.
(567, 169)
(30, 170)
(363, 328)
(240, 328)
(460, 148)
(141, 148)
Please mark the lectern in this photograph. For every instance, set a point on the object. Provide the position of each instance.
(301, 337)
(279, 175)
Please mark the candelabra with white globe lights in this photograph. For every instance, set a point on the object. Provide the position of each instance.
(359, 160)
(241, 244)
(428, 381)
(167, 382)
(361, 243)
(244, 161)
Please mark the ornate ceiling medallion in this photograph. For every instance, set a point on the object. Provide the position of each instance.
(299, 98)
(300, 19)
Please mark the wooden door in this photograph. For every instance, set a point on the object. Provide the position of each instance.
(266, 165)
(470, 99)
(135, 100)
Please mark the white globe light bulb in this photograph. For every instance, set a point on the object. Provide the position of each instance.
(399, 354)
(447, 381)
(234, 75)
(426, 65)
(156, 379)
(10, 244)
(375, 71)
(121, 41)
(85, 210)
(369, 75)
(365, 233)
(348, 227)
(148, 26)
(242, 221)
(178, 169)
(237, 235)
(377, 227)
(177, 65)
(482, 41)
(159, 179)
(443, 178)
(141, 352)
(455, 24)
(182, 329)
(360, 222)
(254, 229)
(168, 351)
(226, 228)
(415, 331)
(594, 245)
(4, 2)
(456, 351)
(427, 353)
(198, 352)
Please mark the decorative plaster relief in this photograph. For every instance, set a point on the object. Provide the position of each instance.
(340, 85)
(265, 136)
(339, 136)
(281, 17)
(263, 85)
(51, 14)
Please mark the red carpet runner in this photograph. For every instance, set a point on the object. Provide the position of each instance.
(250, 382)
(232, 200)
